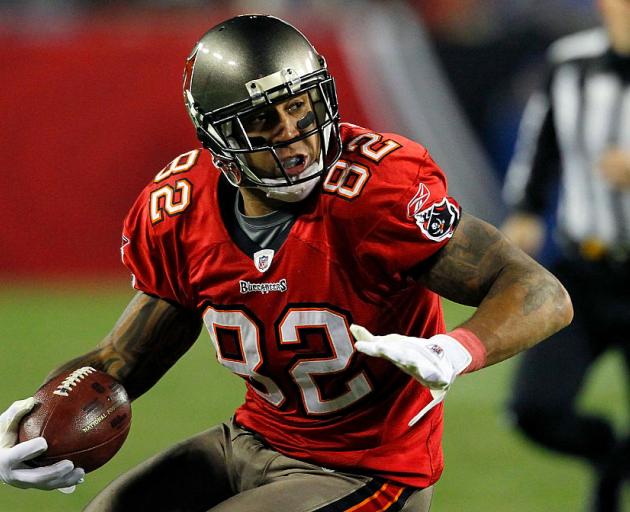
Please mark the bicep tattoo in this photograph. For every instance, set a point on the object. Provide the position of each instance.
(466, 270)
(519, 302)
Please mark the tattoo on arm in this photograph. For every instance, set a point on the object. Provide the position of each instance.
(464, 269)
(150, 336)
(519, 302)
(469, 268)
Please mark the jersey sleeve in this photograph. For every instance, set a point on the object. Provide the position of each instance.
(416, 217)
(153, 256)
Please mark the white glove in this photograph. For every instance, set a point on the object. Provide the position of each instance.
(434, 361)
(61, 475)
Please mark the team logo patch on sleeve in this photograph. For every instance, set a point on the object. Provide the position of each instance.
(438, 221)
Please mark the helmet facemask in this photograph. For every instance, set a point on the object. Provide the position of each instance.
(224, 131)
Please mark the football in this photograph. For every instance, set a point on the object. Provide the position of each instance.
(84, 415)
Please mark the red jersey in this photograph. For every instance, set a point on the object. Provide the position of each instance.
(280, 317)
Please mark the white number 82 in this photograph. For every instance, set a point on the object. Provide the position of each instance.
(247, 334)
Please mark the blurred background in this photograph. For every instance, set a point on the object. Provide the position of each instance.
(91, 110)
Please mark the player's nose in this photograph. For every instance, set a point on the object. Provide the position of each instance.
(286, 128)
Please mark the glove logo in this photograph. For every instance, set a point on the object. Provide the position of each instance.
(437, 350)
(438, 221)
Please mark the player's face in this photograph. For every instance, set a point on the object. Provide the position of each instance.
(616, 15)
(279, 123)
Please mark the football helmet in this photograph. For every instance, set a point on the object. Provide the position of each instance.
(238, 71)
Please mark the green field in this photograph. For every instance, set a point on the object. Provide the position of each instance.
(488, 466)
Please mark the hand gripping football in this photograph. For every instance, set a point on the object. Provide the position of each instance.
(84, 416)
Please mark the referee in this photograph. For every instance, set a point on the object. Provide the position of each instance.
(575, 138)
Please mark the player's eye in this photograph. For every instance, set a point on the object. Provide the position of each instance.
(296, 106)
(256, 121)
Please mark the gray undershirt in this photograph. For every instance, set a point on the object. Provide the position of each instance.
(263, 229)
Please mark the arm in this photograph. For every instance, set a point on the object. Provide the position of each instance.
(149, 337)
(519, 303)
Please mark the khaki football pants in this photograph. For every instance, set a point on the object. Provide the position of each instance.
(228, 468)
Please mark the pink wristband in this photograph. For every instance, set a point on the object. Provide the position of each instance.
(473, 344)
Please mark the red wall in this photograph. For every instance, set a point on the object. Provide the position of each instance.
(89, 115)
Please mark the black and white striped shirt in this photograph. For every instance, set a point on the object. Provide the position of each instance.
(583, 110)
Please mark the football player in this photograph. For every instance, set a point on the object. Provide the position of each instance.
(315, 253)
